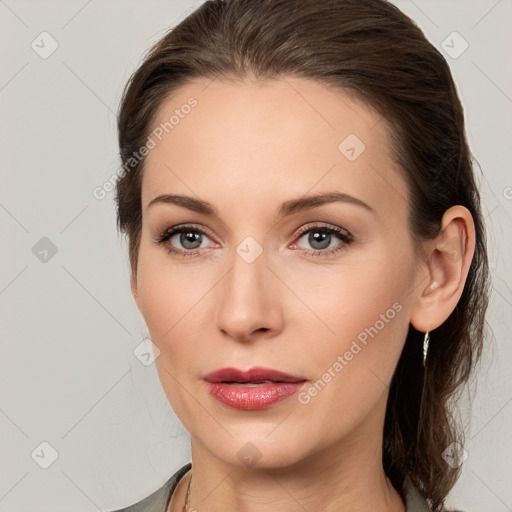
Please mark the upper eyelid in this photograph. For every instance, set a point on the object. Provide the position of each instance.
(191, 227)
(326, 226)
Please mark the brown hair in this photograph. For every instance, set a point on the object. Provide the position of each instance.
(371, 49)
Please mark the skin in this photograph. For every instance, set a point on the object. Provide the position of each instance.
(246, 148)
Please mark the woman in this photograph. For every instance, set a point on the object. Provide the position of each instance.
(308, 252)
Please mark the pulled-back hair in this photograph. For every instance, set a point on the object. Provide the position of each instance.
(369, 49)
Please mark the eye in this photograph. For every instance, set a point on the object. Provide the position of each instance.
(182, 240)
(323, 239)
(187, 241)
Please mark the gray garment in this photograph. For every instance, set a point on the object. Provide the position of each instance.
(159, 500)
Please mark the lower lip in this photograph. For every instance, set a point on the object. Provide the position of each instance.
(252, 397)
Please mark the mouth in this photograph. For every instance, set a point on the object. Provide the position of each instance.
(258, 388)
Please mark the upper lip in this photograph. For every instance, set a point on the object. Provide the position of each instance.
(257, 374)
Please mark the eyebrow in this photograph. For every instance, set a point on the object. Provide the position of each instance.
(287, 208)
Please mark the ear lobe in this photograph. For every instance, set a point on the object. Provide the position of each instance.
(447, 265)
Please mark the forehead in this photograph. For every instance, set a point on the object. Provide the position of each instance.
(281, 138)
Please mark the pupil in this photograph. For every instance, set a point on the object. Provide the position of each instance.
(191, 238)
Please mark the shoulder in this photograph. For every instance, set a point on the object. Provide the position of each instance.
(159, 499)
(416, 502)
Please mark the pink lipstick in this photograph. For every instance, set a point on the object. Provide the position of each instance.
(257, 388)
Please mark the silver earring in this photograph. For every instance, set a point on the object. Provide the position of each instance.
(426, 339)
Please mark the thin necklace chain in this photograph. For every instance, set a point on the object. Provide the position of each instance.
(185, 507)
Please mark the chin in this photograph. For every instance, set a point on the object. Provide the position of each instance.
(261, 450)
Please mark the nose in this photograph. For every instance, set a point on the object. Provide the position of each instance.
(249, 301)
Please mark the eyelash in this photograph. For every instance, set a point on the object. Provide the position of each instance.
(343, 235)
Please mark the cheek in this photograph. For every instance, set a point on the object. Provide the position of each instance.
(345, 299)
(352, 366)
(169, 295)
(172, 303)
(359, 312)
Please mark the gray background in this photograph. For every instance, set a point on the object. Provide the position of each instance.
(68, 373)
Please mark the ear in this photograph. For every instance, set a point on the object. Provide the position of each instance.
(133, 286)
(444, 271)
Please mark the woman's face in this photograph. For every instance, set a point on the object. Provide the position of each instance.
(319, 290)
